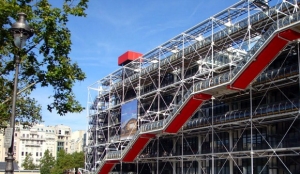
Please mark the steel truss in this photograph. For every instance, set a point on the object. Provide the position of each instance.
(237, 130)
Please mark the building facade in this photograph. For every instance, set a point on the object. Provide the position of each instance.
(51, 140)
(63, 134)
(221, 97)
(77, 141)
(2, 149)
(35, 140)
(30, 140)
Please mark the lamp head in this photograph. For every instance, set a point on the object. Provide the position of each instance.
(21, 31)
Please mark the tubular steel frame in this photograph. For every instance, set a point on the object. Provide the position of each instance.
(162, 77)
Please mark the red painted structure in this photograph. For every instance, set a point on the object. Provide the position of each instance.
(106, 168)
(128, 57)
(136, 148)
(253, 69)
(186, 112)
(266, 56)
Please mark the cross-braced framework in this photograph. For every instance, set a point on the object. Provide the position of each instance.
(221, 97)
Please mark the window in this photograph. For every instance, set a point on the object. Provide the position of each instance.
(59, 132)
(36, 154)
(23, 135)
(22, 154)
(41, 154)
(257, 139)
(16, 134)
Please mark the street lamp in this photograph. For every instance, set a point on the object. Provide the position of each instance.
(21, 32)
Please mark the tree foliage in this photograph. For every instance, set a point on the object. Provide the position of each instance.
(66, 162)
(47, 162)
(62, 163)
(78, 160)
(28, 163)
(45, 58)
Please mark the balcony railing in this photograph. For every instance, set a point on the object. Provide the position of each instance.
(270, 109)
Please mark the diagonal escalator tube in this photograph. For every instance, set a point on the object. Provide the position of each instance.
(280, 26)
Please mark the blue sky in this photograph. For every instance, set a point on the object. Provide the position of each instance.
(114, 27)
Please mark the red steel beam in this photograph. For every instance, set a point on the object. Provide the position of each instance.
(186, 112)
(106, 168)
(266, 56)
(136, 148)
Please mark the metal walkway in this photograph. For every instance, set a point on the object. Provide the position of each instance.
(256, 60)
(219, 57)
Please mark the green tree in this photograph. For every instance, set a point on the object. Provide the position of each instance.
(45, 59)
(28, 163)
(78, 160)
(47, 162)
(28, 111)
(63, 163)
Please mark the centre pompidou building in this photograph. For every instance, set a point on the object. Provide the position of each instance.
(219, 98)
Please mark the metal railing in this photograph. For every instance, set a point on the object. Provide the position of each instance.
(206, 84)
(218, 36)
(224, 78)
(231, 116)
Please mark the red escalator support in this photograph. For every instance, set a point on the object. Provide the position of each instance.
(253, 69)
(264, 58)
(107, 167)
(186, 112)
(136, 148)
(139, 144)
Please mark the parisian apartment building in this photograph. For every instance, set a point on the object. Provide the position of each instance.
(77, 141)
(37, 139)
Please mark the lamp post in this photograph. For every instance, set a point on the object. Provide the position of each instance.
(21, 32)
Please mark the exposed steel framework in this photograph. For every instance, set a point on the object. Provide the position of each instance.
(221, 97)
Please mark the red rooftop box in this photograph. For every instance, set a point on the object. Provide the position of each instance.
(128, 57)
